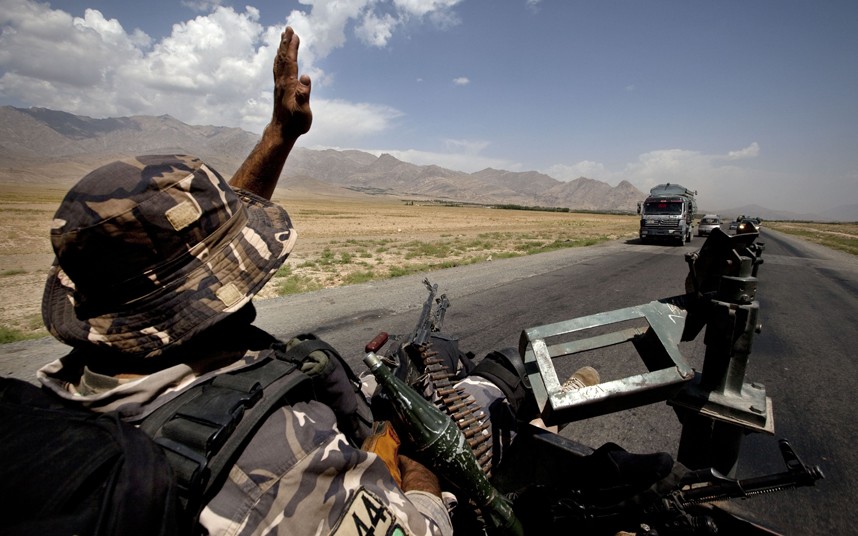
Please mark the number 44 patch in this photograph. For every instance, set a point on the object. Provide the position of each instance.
(366, 515)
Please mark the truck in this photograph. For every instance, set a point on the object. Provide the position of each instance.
(667, 214)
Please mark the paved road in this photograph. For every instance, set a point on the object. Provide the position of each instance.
(805, 357)
(809, 302)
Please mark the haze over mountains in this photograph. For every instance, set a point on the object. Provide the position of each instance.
(54, 148)
(35, 142)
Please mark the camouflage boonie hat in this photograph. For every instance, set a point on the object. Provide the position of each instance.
(152, 250)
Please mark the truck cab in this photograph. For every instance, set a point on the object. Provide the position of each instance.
(667, 214)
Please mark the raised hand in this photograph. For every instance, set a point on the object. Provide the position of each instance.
(291, 118)
(291, 92)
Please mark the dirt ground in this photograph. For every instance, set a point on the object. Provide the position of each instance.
(340, 241)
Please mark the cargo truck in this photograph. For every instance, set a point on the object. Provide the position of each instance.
(667, 214)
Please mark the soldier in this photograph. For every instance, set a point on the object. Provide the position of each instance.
(157, 259)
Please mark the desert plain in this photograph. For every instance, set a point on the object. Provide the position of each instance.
(341, 240)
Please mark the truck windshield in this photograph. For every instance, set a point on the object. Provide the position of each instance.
(663, 207)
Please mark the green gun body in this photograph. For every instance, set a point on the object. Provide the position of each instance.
(438, 442)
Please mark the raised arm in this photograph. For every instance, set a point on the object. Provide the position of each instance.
(292, 117)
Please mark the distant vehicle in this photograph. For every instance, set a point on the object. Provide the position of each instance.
(708, 223)
(737, 226)
(667, 214)
(748, 225)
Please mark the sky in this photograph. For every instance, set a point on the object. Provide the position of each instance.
(745, 101)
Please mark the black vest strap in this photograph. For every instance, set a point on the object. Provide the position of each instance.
(204, 429)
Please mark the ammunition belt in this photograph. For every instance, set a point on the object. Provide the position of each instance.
(461, 407)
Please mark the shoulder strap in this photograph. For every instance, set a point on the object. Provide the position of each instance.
(334, 382)
(203, 430)
(310, 343)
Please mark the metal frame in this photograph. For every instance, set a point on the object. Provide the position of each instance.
(715, 406)
(560, 406)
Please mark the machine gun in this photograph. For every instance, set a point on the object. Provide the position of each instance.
(430, 361)
(544, 475)
(406, 355)
(430, 321)
(556, 494)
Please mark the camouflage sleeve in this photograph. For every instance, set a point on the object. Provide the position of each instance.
(299, 476)
(484, 392)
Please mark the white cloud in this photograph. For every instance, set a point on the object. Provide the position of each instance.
(471, 147)
(202, 6)
(586, 168)
(439, 12)
(42, 45)
(668, 165)
(375, 30)
(748, 152)
(458, 155)
(209, 70)
(719, 185)
(213, 69)
(461, 81)
(341, 123)
(323, 27)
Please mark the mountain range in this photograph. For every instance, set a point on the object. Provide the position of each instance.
(55, 148)
(42, 146)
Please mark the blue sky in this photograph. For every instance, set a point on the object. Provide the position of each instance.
(747, 101)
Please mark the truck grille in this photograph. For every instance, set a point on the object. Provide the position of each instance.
(662, 224)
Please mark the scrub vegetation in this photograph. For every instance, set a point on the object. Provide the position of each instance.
(343, 242)
(348, 241)
(841, 236)
(340, 242)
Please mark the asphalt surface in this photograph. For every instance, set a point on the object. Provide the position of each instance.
(808, 299)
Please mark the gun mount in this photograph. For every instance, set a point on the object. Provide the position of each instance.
(716, 405)
(554, 482)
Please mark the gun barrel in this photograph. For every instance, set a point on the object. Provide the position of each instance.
(720, 487)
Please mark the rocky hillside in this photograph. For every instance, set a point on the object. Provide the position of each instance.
(42, 146)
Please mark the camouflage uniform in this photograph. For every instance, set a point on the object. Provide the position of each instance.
(298, 475)
(153, 251)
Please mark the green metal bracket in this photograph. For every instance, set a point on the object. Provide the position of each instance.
(664, 320)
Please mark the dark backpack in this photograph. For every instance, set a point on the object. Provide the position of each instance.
(70, 471)
(67, 470)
